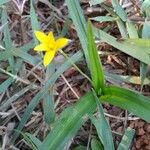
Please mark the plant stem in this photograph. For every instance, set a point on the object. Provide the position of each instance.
(80, 71)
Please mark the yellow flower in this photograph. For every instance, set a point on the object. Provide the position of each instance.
(49, 45)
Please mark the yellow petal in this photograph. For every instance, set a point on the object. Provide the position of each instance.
(41, 36)
(41, 47)
(60, 43)
(48, 57)
(51, 37)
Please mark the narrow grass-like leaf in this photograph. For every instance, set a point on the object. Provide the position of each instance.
(76, 57)
(129, 48)
(143, 73)
(3, 2)
(76, 14)
(96, 145)
(96, 68)
(129, 100)
(102, 127)
(140, 42)
(7, 38)
(132, 31)
(34, 21)
(4, 85)
(119, 10)
(145, 35)
(48, 107)
(127, 79)
(67, 125)
(80, 148)
(134, 35)
(95, 2)
(120, 23)
(34, 140)
(14, 97)
(126, 139)
(104, 19)
(4, 55)
(25, 56)
(48, 99)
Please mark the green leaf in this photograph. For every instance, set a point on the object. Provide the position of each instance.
(34, 21)
(4, 55)
(79, 21)
(34, 60)
(143, 73)
(95, 2)
(102, 127)
(104, 18)
(119, 10)
(146, 8)
(145, 35)
(7, 38)
(34, 102)
(126, 139)
(3, 2)
(119, 79)
(80, 147)
(48, 99)
(15, 97)
(130, 48)
(129, 100)
(119, 22)
(67, 125)
(132, 31)
(48, 107)
(96, 145)
(33, 142)
(96, 68)
(4, 85)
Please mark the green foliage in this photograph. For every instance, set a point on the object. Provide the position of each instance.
(127, 139)
(127, 47)
(102, 127)
(34, 102)
(129, 100)
(96, 145)
(96, 69)
(67, 125)
(95, 2)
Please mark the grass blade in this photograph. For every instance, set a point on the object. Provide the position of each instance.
(104, 18)
(4, 85)
(79, 21)
(76, 57)
(67, 125)
(48, 99)
(7, 38)
(15, 97)
(96, 68)
(129, 48)
(95, 2)
(132, 101)
(3, 2)
(48, 107)
(96, 145)
(26, 57)
(119, 10)
(126, 139)
(102, 127)
(34, 21)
